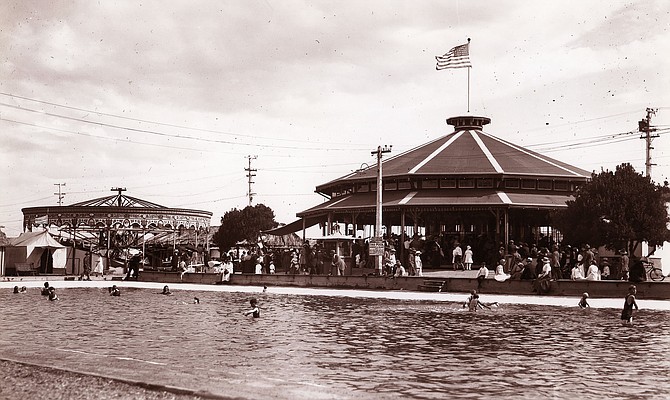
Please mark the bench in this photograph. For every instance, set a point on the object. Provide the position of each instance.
(26, 268)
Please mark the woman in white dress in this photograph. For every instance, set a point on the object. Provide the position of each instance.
(99, 269)
(467, 258)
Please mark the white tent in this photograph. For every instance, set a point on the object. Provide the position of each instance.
(30, 246)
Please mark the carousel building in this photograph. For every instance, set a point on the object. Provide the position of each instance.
(112, 225)
(466, 185)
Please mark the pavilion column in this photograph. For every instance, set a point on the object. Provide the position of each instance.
(402, 235)
(506, 227)
(74, 245)
(497, 226)
(329, 228)
(304, 227)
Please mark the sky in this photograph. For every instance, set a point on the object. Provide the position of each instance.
(173, 100)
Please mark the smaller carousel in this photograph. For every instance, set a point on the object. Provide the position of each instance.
(118, 228)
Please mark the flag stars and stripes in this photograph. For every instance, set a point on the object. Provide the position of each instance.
(458, 57)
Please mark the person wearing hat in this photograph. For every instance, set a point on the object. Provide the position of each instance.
(418, 264)
(605, 275)
(542, 283)
(624, 265)
(546, 268)
(467, 258)
(593, 274)
(576, 273)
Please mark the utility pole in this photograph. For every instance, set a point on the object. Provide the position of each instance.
(250, 175)
(644, 126)
(60, 194)
(378, 239)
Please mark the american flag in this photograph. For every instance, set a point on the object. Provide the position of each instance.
(458, 57)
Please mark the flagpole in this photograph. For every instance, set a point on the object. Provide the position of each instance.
(468, 89)
(469, 78)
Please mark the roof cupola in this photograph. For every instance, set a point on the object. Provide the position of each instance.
(466, 122)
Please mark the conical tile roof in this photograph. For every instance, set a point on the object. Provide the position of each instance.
(468, 152)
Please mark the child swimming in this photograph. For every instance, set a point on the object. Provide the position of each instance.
(583, 303)
(254, 309)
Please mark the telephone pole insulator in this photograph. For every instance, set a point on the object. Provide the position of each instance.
(645, 127)
(250, 175)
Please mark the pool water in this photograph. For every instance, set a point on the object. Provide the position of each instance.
(349, 347)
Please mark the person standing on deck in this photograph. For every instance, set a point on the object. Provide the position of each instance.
(457, 255)
(467, 260)
(624, 266)
(418, 264)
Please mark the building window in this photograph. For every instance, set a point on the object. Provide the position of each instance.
(485, 183)
(528, 184)
(429, 184)
(466, 183)
(448, 183)
(560, 185)
(544, 185)
(391, 185)
(511, 183)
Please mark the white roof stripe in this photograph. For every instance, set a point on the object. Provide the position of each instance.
(436, 152)
(504, 197)
(338, 201)
(407, 198)
(533, 155)
(486, 151)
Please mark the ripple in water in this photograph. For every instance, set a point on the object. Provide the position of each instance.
(407, 349)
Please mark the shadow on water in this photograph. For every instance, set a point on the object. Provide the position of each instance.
(407, 349)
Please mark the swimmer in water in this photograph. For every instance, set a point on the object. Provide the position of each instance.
(583, 303)
(45, 289)
(254, 309)
(52, 294)
(114, 291)
(196, 300)
(473, 303)
(265, 288)
(166, 290)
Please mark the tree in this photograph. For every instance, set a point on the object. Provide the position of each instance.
(246, 224)
(617, 210)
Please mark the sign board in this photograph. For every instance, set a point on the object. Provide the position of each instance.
(376, 247)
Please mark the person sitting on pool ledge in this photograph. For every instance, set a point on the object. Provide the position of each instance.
(52, 294)
(45, 289)
(482, 274)
(254, 309)
(114, 291)
(583, 303)
(166, 290)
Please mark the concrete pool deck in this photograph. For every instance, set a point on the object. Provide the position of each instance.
(531, 299)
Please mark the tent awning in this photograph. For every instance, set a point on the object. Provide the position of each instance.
(36, 239)
(293, 226)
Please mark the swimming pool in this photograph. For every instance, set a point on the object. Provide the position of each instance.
(333, 346)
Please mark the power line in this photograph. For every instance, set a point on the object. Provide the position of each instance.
(254, 137)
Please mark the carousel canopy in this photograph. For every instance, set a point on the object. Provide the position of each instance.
(469, 169)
